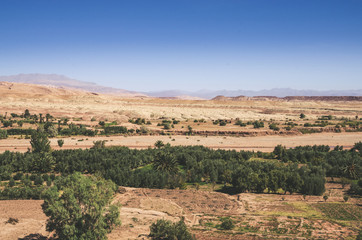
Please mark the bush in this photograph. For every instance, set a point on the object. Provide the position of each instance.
(164, 229)
(60, 142)
(274, 127)
(258, 124)
(227, 224)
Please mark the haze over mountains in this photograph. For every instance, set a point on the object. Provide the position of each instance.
(66, 82)
(63, 81)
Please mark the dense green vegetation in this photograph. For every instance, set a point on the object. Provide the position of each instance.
(171, 167)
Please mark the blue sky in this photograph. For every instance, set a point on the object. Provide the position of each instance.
(149, 45)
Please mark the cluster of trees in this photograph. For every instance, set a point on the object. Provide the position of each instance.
(77, 130)
(115, 130)
(168, 124)
(139, 121)
(20, 131)
(261, 176)
(221, 122)
(336, 162)
(240, 123)
(170, 167)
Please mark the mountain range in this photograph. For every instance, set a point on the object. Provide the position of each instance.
(66, 82)
(63, 81)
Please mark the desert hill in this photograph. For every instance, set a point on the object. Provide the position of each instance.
(63, 81)
(23, 90)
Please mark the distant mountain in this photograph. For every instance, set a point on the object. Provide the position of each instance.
(63, 81)
(277, 92)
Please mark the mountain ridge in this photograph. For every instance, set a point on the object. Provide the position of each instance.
(64, 81)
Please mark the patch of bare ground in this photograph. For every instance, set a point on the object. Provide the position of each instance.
(30, 215)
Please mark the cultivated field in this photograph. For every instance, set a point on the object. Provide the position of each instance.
(256, 216)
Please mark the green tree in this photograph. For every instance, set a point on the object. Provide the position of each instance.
(159, 144)
(42, 162)
(165, 161)
(190, 129)
(99, 144)
(39, 142)
(279, 151)
(60, 142)
(79, 207)
(302, 115)
(358, 147)
(26, 113)
(3, 134)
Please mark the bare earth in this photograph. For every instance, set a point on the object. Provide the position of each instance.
(141, 207)
(258, 143)
(16, 97)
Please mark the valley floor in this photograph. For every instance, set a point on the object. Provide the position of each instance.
(256, 216)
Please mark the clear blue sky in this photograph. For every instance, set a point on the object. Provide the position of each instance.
(149, 45)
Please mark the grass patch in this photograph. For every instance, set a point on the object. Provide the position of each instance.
(295, 209)
(340, 211)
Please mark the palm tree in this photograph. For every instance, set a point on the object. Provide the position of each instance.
(165, 161)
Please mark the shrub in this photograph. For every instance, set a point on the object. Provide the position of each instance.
(60, 142)
(258, 124)
(227, 224)
(164, 229)
(12, 221)
(99, 144)
(274, 127)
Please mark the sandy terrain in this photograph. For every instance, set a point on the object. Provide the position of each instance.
(259, 143)
(16, 97)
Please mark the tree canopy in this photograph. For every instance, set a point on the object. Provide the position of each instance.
(79, 207)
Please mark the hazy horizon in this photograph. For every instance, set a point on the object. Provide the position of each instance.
(188, 45)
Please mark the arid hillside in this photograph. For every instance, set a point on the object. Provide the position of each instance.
(16, 97)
